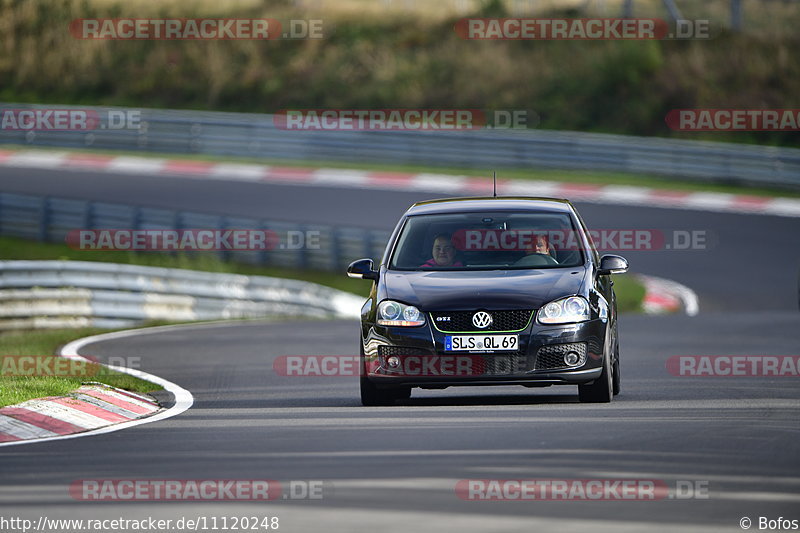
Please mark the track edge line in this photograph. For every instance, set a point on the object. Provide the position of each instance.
(183, 398)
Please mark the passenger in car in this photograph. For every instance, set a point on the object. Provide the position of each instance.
(443, 252)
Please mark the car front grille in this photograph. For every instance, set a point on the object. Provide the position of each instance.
(388, 351)
(552, 357)
(461, 321)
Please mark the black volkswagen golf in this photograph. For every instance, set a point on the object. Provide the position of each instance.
(489, 291)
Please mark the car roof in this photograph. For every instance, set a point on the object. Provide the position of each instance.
(491, 203)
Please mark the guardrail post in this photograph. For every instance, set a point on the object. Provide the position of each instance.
(673, 10)
(736, 15)
(136, 218)
(263, 255)
(627, 9)
(87, 215)
(302, 253)
(44, 218)
(224, 255)
(367, 244)
(377, 250)
(336, 249)
(194, 141)
(176, 225)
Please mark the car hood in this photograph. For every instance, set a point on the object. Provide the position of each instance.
(495, 289)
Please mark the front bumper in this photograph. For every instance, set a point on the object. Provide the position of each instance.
(538, 361)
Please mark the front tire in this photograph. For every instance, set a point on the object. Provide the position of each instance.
(616, 381)
(372, 396)
(600, 390)
(403, 393)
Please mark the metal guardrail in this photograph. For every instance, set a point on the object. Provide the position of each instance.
(46, 294)
(51, 219)
(80, 293)
(255, 135)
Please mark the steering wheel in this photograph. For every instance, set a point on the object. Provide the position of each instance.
(536, 260)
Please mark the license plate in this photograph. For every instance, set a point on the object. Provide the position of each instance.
(474, 343)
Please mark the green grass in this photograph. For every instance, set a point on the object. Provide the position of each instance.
(630, 293)
(16, 389)
(565, 176)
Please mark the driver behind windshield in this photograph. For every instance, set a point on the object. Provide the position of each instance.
(443, 252)
(540, 245)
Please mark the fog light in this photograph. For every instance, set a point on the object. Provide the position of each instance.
(573, 359)
(393, 361)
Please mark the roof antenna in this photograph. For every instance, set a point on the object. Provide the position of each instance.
(494, 182)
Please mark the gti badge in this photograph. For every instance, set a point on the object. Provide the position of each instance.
(482, 319)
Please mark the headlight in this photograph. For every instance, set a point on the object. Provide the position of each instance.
(564, 311)
(396, 314)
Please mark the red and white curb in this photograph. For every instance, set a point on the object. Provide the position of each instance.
(89, 407)
(667, 296)
(400, 181)
(93, 409)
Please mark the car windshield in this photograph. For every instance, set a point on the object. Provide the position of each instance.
(488, 241)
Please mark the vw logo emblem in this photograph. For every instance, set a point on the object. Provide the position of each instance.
(482, 319)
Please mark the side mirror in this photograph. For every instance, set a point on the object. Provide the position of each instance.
(612, 264)
(362, 269)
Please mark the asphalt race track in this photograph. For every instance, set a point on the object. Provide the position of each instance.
(396, 468)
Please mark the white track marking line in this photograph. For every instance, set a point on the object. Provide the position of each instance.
(183, 398)
(788, 207)
(35, 159)
(624, 194)
(64, 413)
(437, 182)
(104, 405)
(688, 298)
(22, 430)
(138, 165)
(336, 176)
(239, 172)
(117, 395)
(530, 188)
